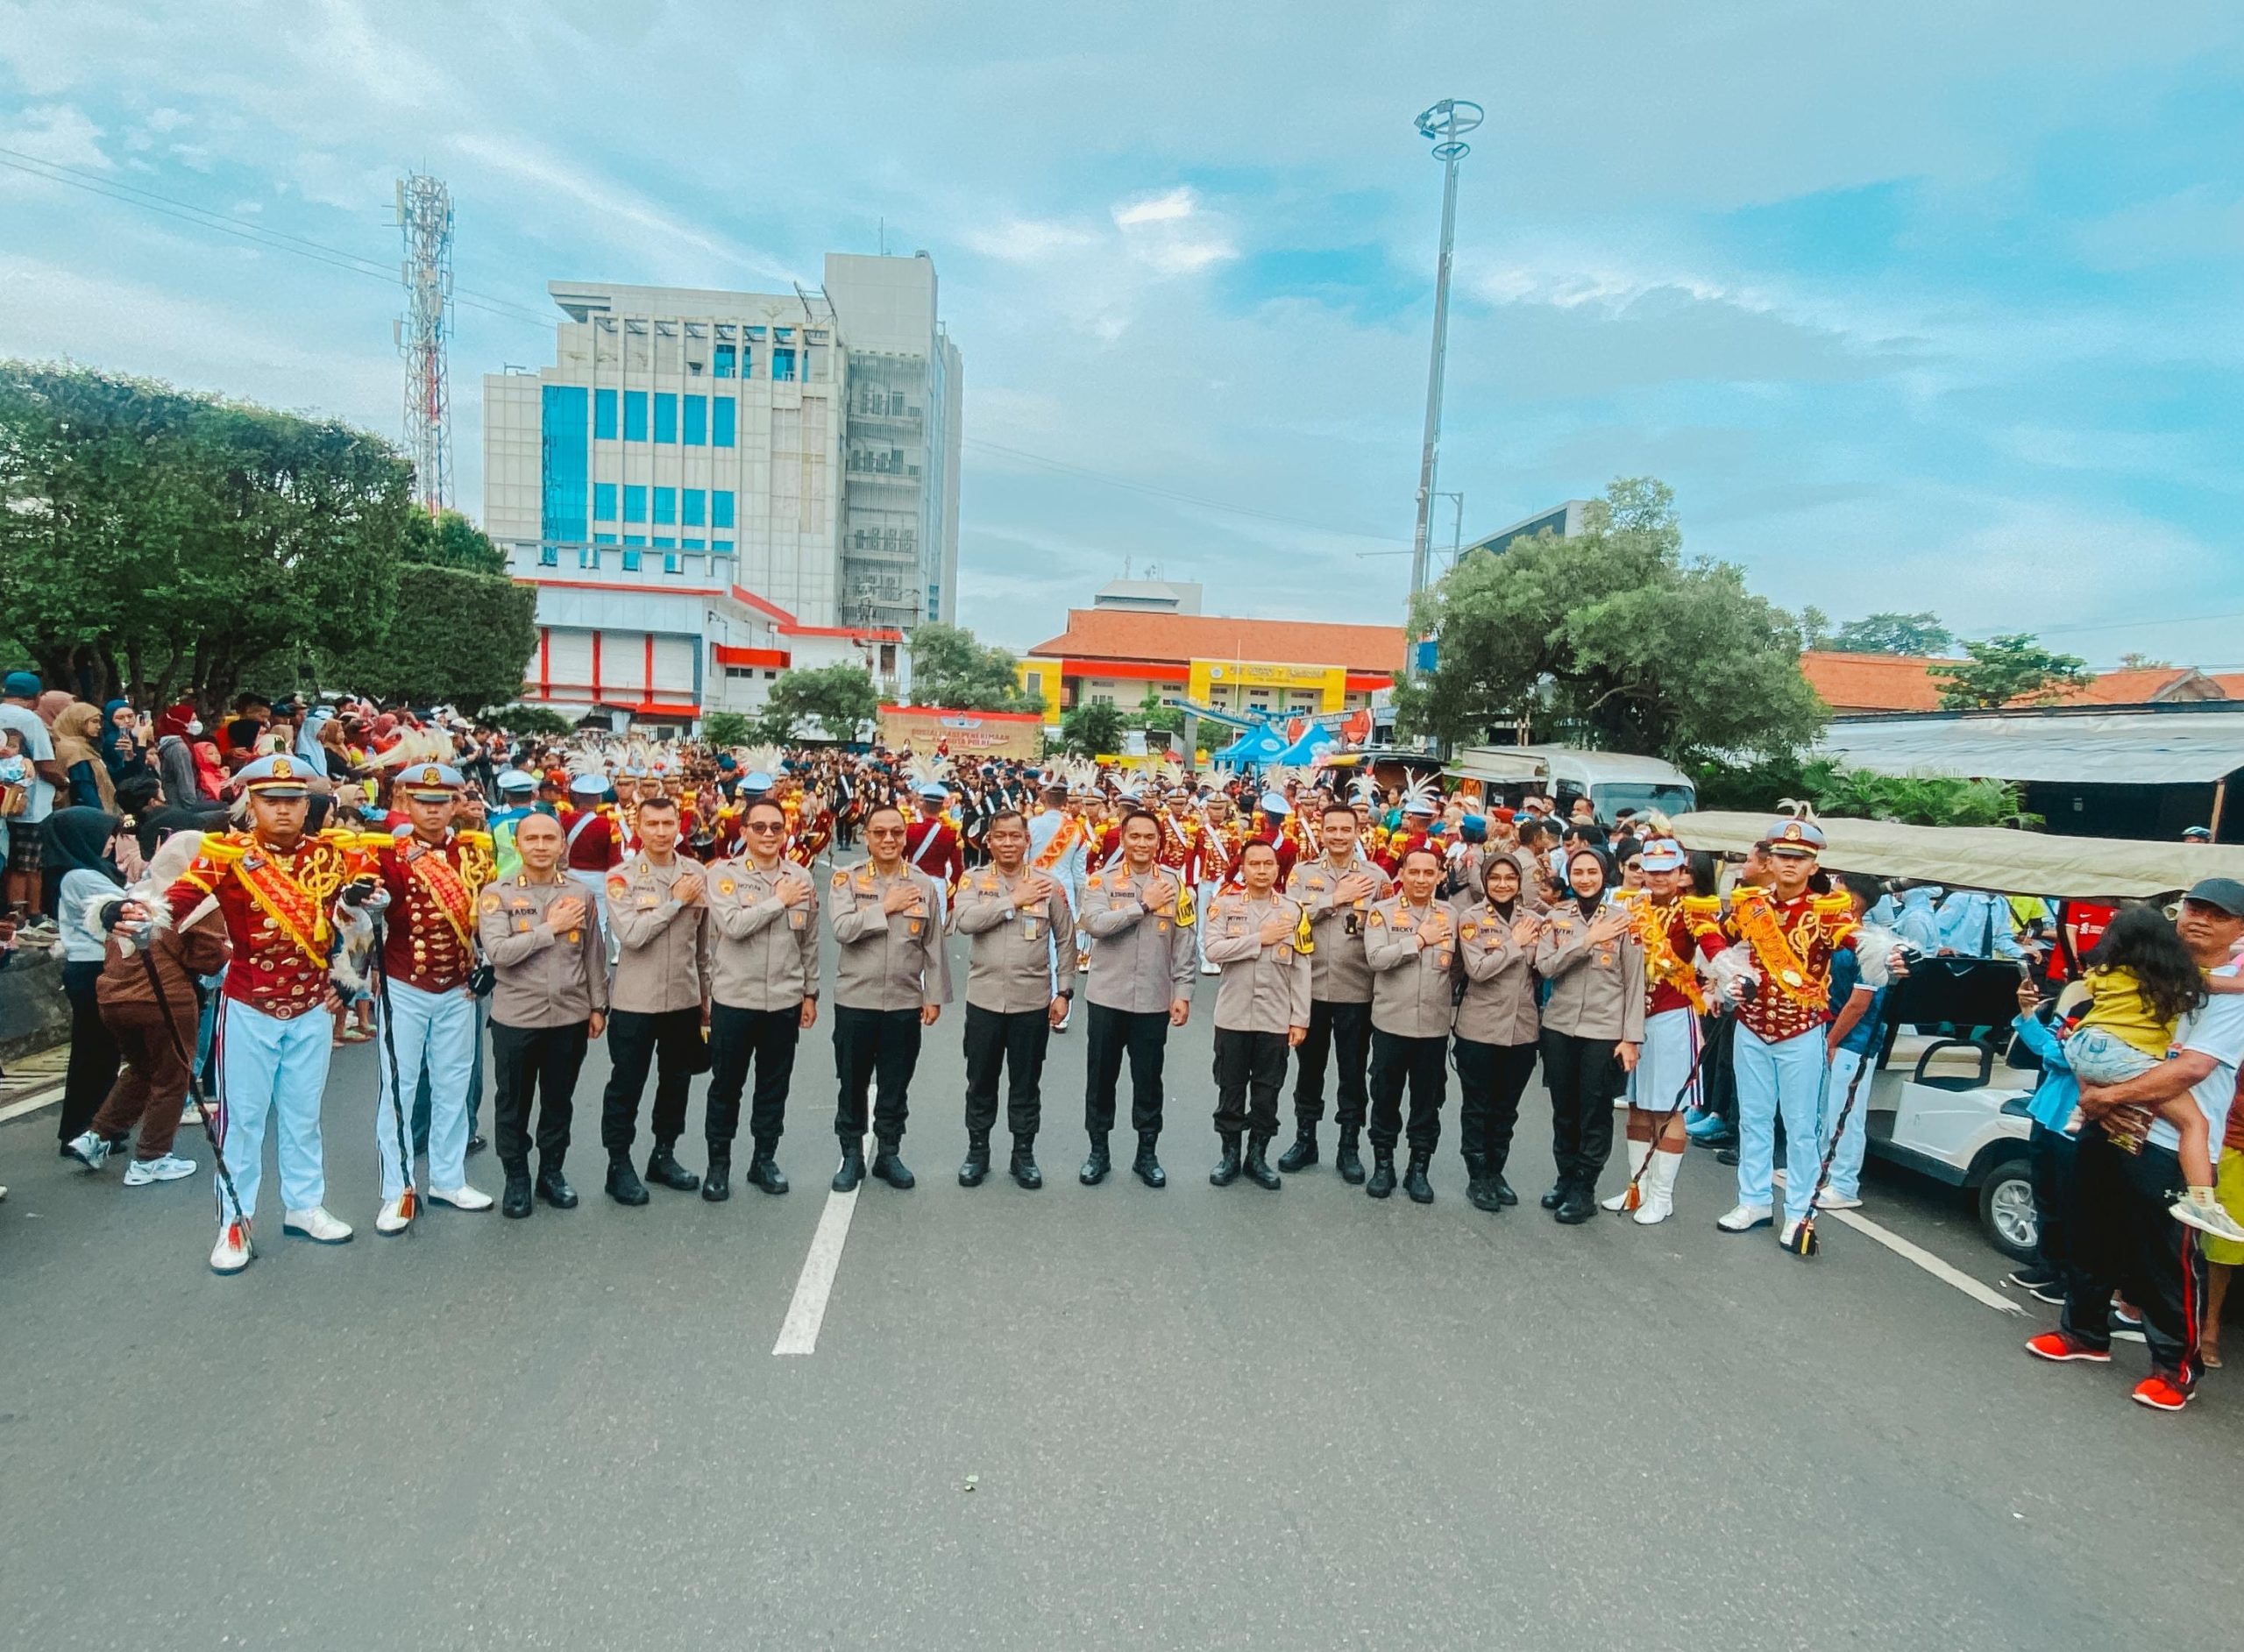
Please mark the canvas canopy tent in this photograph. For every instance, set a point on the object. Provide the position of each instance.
(1313, 740)
(2167, 746)
(1987, 857)
(1263, 745)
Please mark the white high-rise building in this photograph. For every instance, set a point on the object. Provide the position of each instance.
(708, 487)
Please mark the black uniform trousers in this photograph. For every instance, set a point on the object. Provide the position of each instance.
(1490, 1080)
(871, 1044)
(1422, 1063)
(2122, 1238)
(1250, 1070)
(669, 1040)
(2049, 1161)
(1144, 1038)
(1341, 1032)
(1011, 1043)
(540, 1065)
(1583, 1078)
(738, 1037)
(94, 1058)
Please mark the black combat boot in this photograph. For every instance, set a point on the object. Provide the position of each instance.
(1258, 1164)
(662, 1166)
(1147, 1167)
(515, 1200)
(553, 1187)
(1096, 1164)
(1383, 1173)
(1504, 1195)
(1476, 1177)
(889, 1168)
(763, 1169)
(1023, 1165)
(1227, 1170)
(1345, 1159)
(623, 1184)
(717, 1186)
(1303, 1154)
(852, 1170)
(977, 1158)
(1414, 1179)
(1576, 1208)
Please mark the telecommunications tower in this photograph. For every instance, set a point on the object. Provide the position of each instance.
(1444, 125)
(424, 217)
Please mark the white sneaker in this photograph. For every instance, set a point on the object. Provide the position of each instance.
(391, 1219)
(170, 1167)
(2207, 1218)
(90, 1150)
(1791, 1233)
(1829, 1200)
(232, 1253)
(462, 1197)
(316, 1225)
(1745, 1218)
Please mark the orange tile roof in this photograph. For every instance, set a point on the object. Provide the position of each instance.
(2230, 683)
(1115, 634)
(2127, 688)
(1871, 682)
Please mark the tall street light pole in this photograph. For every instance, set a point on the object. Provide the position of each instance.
(1444, 125)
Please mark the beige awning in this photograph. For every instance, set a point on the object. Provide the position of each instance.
(1987, 857)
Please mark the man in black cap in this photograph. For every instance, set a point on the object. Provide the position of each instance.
(2126, 1240)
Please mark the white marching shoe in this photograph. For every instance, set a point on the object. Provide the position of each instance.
(462, 1197)
(232, 1252)
(391, 1219)
(1745, 1218)
(1658, 1186)
(316, 1225)
(1627, 1157)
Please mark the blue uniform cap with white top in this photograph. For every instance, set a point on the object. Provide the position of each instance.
(1795, 837)
(277, 775)
(1274, 803)
(1664, 854)
(431, 782)
(515, 780)
(587, 785)
(756, 780)
(935, 788)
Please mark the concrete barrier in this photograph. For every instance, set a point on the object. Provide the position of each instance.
(33, 1013)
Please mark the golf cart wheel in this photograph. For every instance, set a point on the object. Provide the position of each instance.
(2007, 1211)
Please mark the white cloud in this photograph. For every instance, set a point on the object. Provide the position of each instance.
(1176, 205)
(58, 132)
(1027, 240)
(1172, 234)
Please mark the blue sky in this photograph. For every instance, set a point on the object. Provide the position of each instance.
(1915, 306)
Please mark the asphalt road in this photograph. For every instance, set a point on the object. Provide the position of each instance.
(1192, 1418)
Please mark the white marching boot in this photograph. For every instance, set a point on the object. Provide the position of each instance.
(1626, 1159)
(1659, 1189)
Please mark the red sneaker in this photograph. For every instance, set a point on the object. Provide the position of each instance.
(2161, 1393)
(2061, 1345)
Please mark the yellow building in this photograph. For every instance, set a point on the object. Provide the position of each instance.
(1283, 667)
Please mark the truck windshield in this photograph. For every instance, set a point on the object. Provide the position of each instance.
(1641, 796)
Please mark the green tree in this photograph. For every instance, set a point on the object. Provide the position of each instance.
(535, 722)
(450, 540)
(950, 669)
(1611, 640)
(840, 698)
(725, 728)
(2013, 669)
(2132, 662)
(154, 543)
(1093, 729)
(1915, 634)
(1940, 800)
(1815, 629)
(1154, 717)
(454, 638)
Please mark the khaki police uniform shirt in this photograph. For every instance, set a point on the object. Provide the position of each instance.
(1145, 959)
(1339, 973)
(764, 953)
(1498, 1006)
(1597, 992)
(1265, 987)
(663, 957)
(542, 977)
(1022, 956)
(887, 961)
(1413, 986)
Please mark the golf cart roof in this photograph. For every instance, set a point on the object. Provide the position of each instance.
(1987, 857)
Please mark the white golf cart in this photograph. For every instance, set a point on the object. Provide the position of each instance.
(1943, 1103)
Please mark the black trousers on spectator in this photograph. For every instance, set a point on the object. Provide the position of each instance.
(2122, 1239)
(93, 1050)
(669, 1040)
(1341, 1032)
(738, 1037)
(1013, 1043)
(540, 1065)
(1582, 1078)
(1250, 1070)
(1718, 1078)
(1144, 1038)
(1422, 1063)
(2049, 1161)
(871, 1044)
(1490, 1080)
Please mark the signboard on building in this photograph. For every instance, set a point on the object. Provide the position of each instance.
(928, 728)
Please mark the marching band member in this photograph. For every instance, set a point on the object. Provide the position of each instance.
(1140, 920)
(1339, 890)
(1263, 944)
(1665, 1080)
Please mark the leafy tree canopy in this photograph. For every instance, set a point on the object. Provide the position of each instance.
(950, 669)
(1093, 729)
(840, 698)
(537, 722)
(450, 540)
(454, 638)
(2013, 670)
(1916, 634)
(725, 728)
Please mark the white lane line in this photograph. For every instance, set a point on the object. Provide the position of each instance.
(1925, 1260)
(807, 1312)
(31, 1103)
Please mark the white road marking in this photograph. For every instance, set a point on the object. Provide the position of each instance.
(1973, 1289)
(31, 1103)
(807, 1312)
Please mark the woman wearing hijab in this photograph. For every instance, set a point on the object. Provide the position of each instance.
(77, 728)
(1497, 1027)
(1593, 1025)
(80, 846)
(120, 749)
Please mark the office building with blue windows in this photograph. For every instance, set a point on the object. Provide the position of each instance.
(706, 484)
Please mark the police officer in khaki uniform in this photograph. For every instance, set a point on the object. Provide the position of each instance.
(1411, 945)
(1497, 1027)
(657, 1001)
(548, 996)
(764, 984)
(1338, 888)
(1018, 989)
(890, 981)
(1142, 965)
(1593, 1026)
(1260, 941)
